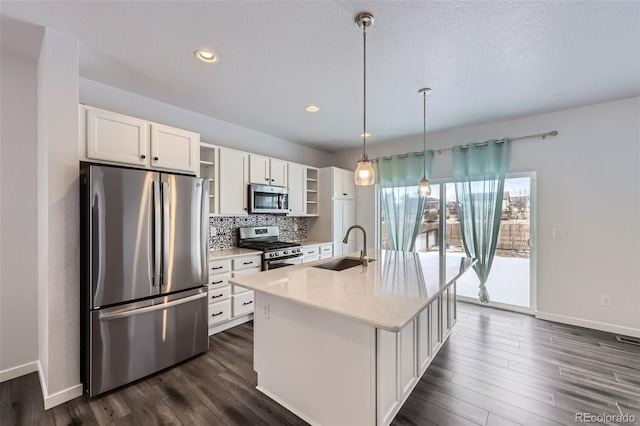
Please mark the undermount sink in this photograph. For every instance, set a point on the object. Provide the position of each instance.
(341, 264)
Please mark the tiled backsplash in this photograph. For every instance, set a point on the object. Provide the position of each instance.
(226, 228)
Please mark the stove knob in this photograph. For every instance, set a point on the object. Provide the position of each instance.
(272, 255)
(286, 252)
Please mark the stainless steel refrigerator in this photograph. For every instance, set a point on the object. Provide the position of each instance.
(144, 241)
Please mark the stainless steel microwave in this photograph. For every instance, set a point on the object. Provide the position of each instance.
(268, 199)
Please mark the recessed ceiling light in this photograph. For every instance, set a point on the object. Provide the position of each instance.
(365, 134)
(206, 56)
(312, 108)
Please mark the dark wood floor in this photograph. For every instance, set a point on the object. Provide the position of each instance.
(498, 368)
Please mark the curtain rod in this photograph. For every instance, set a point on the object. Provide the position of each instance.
(439, 151)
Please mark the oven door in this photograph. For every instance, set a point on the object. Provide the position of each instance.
(281, 263)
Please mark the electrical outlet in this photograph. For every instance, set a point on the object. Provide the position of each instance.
(605, 300)
(213, 231)
(266, 311)
(559, 232)
(295, 226)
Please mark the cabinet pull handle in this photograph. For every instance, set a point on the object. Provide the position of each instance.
(215, 315)
(156, 159)
(272, 180)
(143, 156)
(267, 179)
(248, 263)
(217, 282)
(218, 295)
(248, 303)
(217, 267)
(344, 193)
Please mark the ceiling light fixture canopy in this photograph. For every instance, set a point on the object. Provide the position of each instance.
(364, 174)
(312, 108)
(424, 189)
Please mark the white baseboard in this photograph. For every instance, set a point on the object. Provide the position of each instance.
(60, 397)
(21, 370)
(602, 326)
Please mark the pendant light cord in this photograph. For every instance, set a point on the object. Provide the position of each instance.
(364, 118)
(424, 134)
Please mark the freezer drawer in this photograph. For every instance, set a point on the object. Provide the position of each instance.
(132, 341)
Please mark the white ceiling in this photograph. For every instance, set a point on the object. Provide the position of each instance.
(485, 61)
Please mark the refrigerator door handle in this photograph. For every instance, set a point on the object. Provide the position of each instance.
(157, 235)
(125, 314)
(166, 228)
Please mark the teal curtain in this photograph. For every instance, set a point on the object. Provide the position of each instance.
(479, 174)
(398, 179)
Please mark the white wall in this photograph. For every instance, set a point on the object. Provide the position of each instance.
(18, 244)
(588, 182)
(211, 130)
(58, 219)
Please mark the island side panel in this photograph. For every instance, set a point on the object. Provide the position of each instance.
(318, 365)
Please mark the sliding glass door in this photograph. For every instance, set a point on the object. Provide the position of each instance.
(511, 283)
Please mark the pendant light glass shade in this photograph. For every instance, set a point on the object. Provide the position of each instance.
(424, 188)
(364, 174)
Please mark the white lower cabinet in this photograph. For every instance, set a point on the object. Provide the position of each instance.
(359, 374)
(242, 303)
(403, 357)
(219, 312)
(230, 305)
(326, 250)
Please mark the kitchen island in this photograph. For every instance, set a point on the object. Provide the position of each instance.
(347, 347)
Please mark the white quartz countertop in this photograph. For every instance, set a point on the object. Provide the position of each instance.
(387, 293)
(231, 252)
(313, 243)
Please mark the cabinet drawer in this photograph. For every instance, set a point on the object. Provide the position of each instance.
(311, 251)
(247, 262)
(326, 251)
(219, 293)
(242, 304)
(219, 311)
(217, 266)
(219, 280)
(308, 259)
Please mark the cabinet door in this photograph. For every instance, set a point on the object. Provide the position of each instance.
(233, 185)
(278, 172)
(343, 183)
(174, 149)
(297, 189)
(259, 170)
(343, 218)
(348, 184)
(116, 137)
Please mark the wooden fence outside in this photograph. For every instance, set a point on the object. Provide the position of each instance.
(513, 235)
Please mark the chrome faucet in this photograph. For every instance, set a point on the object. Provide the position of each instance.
(363, 253)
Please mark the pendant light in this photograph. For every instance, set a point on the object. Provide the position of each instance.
(364, 174)
(424, 189)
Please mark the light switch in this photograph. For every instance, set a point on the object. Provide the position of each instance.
(559, 232)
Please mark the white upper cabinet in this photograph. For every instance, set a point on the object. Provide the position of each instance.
(278, 172)
(267, 171)
(297, 189)
(173, 148)
(113, 137)
(234, 180)
(116, 137)
(343, 183)
(259, 170)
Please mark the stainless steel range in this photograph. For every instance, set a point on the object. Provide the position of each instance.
(276, 254)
